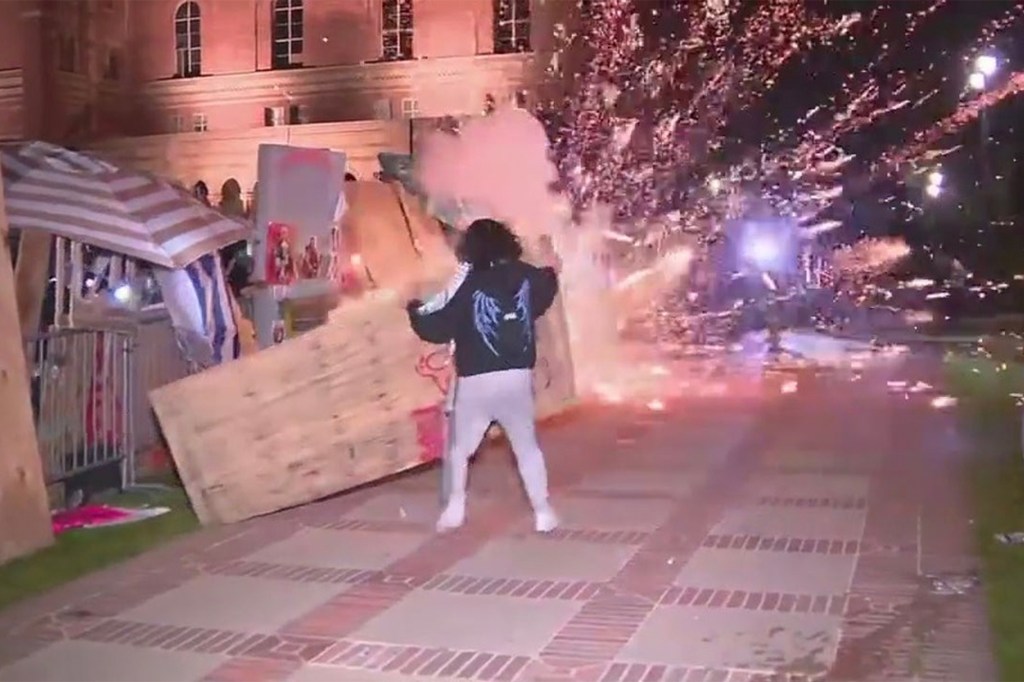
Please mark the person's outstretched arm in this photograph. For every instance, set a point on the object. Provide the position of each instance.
(442, 298)
(543, 289)
(435, 327)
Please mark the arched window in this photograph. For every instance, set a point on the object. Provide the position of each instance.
(396, 29)
(287, 48)
(511, 26)
(187, 41)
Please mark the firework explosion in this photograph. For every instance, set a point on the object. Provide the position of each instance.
(669, 136)
(868, 257)
(681, 123)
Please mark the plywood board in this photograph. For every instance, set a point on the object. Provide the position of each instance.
(320, 413)
(31, 276)
(344, 404)
(24, 510)
(399, 244)
(347, 403)
(554, 377)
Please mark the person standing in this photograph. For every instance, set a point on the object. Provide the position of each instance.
(491, 319)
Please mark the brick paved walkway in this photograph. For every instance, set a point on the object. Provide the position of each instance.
(722, 539)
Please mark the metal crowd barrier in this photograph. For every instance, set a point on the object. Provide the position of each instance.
(82, 383)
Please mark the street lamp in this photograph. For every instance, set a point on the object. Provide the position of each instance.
(985, 67)
(764, 251)
(986, 64)
(936, 180)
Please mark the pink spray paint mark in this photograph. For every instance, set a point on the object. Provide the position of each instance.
(430, 423)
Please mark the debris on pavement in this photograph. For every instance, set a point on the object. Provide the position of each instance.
(1015, 538)
(952, 585)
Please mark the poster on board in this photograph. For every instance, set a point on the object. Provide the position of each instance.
(299, 202)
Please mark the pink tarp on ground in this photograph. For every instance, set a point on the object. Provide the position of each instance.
(98, 516)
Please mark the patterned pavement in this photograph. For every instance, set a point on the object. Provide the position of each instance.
(755, 536)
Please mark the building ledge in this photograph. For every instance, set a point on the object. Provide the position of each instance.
(12, 84)
(275, 134)
(311, 80)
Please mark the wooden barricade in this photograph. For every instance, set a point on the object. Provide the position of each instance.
(328, 410)
(352, 401)
(24, 511)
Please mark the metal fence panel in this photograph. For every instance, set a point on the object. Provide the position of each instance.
(82, 384)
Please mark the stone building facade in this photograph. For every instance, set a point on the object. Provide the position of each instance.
(77, 71)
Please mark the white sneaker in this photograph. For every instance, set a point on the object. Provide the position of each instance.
(545, 520)
(453, 516)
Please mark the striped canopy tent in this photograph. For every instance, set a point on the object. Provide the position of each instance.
(89, 200)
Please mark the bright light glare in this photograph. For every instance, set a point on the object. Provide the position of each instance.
(715, 185)
(976, 81)
(933, 190)
(123, 294)
(986, 64)
(936, 178)
(763, 250)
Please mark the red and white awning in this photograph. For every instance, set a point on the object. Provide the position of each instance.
(82, 197)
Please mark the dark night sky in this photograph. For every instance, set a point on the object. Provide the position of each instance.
(940, 49)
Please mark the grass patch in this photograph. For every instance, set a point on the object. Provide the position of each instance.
(79, 552)
(985, 388)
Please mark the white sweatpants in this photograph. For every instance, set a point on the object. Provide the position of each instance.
(505, 397)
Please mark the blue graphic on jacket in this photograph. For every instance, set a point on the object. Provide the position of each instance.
(492, 320)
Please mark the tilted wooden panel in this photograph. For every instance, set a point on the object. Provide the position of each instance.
(350, 402)
(554, 378)
(326, 411)
(342, 405)
(398, 242)
(24, 513)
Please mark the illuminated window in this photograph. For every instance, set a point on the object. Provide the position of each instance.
(288, 34)
(511, 26)
(410, 108)
(396, 29)
(187, 42)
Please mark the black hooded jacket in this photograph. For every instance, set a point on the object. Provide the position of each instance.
(491, 317)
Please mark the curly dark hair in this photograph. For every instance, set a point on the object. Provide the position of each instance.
(487, 242)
